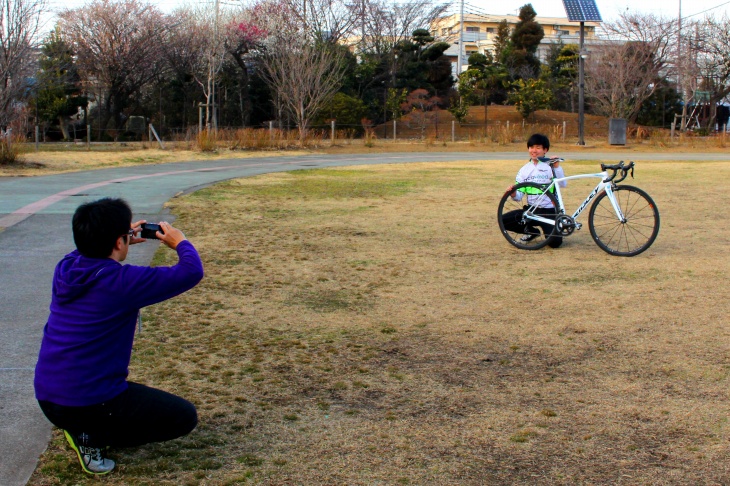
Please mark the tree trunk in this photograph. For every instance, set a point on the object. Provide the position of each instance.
(64, 127)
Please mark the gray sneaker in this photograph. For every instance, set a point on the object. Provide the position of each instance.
(90, 458)
(526, 238)
(533, 233)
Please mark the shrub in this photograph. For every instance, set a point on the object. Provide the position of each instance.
(206, 141)
(9, 154)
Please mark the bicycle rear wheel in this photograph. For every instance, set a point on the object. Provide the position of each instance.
(519, 230)
(629, 237)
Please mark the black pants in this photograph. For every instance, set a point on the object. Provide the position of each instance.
(513, 222)
(137, 416)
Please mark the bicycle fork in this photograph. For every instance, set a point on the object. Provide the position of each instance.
(612, 197)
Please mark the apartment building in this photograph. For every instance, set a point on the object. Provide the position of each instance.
(480, 31)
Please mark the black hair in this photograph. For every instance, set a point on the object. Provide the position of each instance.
(98, 224)
(539, 139)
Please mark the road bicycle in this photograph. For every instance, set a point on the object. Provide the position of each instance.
(623, 220)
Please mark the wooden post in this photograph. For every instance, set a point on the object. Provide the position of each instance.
(88, 137)
(453, 131)
(671, 133)
(394, 125)
(37, 136)
(200, 118)
(332, 124)
(564, 130)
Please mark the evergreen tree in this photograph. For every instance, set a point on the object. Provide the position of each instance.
(521, 59)
(59, 94)
(561, 75)
(502, 42)
(530, 95)
(659, 109)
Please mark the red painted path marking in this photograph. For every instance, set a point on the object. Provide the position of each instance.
(27, 211)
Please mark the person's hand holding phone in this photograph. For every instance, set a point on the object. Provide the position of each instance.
(169, 235)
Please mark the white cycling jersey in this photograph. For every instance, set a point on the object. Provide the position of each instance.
(540, 173)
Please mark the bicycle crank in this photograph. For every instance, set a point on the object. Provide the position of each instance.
(565, 225)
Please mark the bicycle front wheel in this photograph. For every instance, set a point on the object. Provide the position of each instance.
(633, 235)
(517, 227)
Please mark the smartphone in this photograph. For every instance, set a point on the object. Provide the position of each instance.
(149, 230)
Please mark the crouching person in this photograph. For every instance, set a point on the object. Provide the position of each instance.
(81, 375)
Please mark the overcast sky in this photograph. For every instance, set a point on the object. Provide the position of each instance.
(609, 9)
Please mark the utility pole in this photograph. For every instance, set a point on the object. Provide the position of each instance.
(461, 40)
(680, 79)
(211, 122)
(581, 88)
(215, 73)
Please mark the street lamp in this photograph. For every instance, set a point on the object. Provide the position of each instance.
(582, 55)
(581, 11)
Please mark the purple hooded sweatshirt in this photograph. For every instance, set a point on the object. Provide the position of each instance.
(87, 341)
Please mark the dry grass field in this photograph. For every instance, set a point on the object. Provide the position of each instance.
(370, 325)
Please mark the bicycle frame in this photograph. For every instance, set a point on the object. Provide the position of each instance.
(604, 185)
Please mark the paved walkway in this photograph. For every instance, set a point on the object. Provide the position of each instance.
(36, 214)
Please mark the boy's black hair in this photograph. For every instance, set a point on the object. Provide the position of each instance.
(98, 224)
(539, 139)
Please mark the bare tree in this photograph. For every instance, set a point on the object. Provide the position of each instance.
(305, 77)
(204, 25)
(383, 25)
(709, 48)
(620, 77)
(244, 38)
(20, 24)
(623, 72)
(323, 20)
(120, 48)
(186, 48)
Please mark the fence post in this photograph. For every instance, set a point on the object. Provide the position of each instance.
(271, 129)
(394, 125)
(671, 133)
(508, 125)
(88, 137)
(332, 124)
(200, 118)
(564, 130)
(453, 131)
(37, 136)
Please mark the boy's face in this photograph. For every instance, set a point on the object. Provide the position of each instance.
(536, 151)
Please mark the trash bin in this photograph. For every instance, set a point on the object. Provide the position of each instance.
(617, 131)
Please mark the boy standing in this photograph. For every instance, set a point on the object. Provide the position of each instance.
(540, 170)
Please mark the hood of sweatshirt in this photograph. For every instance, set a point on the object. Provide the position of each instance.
(75, 274)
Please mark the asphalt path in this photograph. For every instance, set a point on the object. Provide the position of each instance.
(35, 213)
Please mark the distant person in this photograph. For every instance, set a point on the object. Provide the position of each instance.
(81, 376)
(541, 170)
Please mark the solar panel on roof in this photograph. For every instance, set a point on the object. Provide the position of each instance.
(582, 11)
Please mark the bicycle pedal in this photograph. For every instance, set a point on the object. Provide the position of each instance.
(578, 226)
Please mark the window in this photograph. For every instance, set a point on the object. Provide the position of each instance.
(563, 32)
(472, 29)
(444, 31)
(491, 30)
